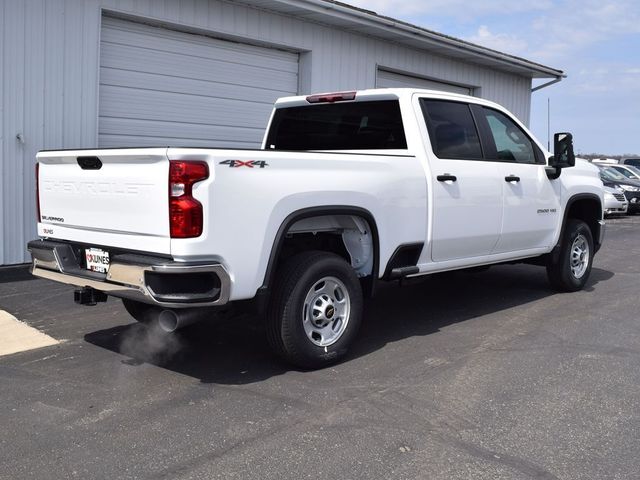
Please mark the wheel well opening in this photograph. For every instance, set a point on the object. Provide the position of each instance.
(589, 211)
(295, 243)
(349, 236)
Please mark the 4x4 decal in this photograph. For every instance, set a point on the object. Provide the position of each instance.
(245, 163)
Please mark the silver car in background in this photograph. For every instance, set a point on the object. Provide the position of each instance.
(615, 203)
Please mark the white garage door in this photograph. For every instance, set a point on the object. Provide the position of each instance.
(161, 87)
(387, 79)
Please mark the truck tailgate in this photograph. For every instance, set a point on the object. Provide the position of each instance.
(115, 198)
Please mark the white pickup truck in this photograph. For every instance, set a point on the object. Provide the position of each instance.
(349, 189)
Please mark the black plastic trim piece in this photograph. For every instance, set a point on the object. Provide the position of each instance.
(446, 178)
(316, 212)
(553, 173)
(183, 287)
(596, 234)
(402, 272)
(89, 163)
(489, 151)
(405, 256)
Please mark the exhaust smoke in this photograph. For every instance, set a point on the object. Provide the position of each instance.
(150, 344)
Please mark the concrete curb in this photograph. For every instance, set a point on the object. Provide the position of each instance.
(17, 336)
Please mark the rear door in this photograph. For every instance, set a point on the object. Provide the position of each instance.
(467, 190)
(116, 198)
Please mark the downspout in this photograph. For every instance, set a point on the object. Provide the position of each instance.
(555, 80)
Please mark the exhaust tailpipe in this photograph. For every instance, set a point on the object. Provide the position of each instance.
(171, 320)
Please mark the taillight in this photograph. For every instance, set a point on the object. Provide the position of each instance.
(185, 212)
(38, 191)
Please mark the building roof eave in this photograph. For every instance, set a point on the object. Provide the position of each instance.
(367, 22)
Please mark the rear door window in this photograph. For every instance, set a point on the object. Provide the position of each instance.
(338, 126)
(452, 131)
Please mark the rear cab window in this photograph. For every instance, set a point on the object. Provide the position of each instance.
(364, 125)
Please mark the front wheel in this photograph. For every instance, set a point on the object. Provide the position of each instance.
(571, 270)
(316, 309)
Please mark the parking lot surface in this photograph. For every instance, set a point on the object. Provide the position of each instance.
(485, 375)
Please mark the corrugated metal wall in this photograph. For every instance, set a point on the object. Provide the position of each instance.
(49, 85)
(163, 87)
(388, 79)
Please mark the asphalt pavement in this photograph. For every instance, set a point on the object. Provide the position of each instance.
(485, 375)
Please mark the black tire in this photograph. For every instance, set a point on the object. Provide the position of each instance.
(561, 275)
(285, 327)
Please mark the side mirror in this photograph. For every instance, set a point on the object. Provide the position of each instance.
(563, 156)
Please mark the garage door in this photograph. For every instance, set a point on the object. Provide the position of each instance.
(387, 79)
(161, 87)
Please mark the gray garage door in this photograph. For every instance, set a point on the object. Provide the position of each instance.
(387, 79)
(162, 87)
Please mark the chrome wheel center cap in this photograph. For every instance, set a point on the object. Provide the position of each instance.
(326, 311)
(323, 310)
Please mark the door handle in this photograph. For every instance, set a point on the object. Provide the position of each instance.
(447, 178)
(511, 178)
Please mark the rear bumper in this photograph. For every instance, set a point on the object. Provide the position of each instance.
(144, 278)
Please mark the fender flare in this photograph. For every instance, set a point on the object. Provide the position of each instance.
(573, 199)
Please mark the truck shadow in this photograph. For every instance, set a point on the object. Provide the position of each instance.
(17, 273)
(233, 351)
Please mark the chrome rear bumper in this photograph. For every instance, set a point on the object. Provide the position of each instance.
(147, 279)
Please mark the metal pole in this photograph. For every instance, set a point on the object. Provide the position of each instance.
(548, 124)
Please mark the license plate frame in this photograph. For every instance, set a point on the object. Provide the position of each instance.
(97, 260)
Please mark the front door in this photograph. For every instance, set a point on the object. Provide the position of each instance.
(531, 211)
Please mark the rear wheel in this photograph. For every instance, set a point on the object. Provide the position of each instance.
(316, 309)
(571, 270)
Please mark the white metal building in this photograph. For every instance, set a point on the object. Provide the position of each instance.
(108, 73)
